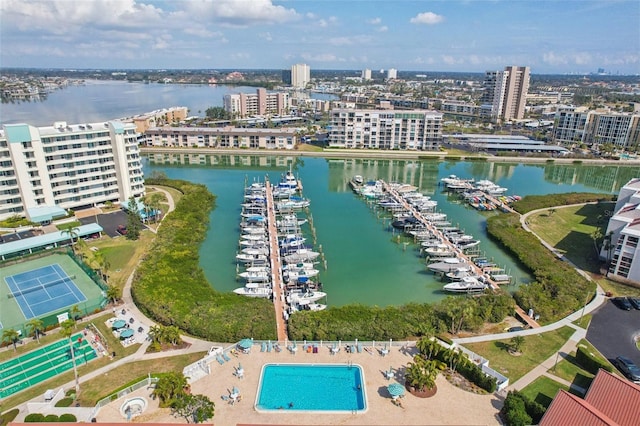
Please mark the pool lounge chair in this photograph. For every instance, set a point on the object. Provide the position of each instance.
(226, 357)
(269, 346)
(219, 359)
(359, 347)
(263, 347)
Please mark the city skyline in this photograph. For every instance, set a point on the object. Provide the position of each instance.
(474, 36)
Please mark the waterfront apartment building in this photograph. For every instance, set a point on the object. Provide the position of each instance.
(392, 74)
(366, 75)
(300, 76)
(221, 137)
(67, 166)
(505, 93)
(577, 125)
(242, 105)
(620, 246)
(385, 129)
(173, 115)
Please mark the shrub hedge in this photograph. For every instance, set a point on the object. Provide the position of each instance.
(170, 287)
(68, 418)
(7, 417)
(64, 402)
(590, 363)
(558, 289)
(534, 202)
(34, 418)
(520, 410)
(51, 418)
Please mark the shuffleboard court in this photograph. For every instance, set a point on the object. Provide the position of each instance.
(43, 290)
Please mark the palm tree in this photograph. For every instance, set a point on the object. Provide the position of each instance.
(421, 374)
(113, 293)
(72, 232)
(12, 336)
(428, 347)
(66, 329)
(453, 358)
(169, 387)
(37, 326)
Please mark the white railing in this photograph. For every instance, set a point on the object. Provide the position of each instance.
(114, 396)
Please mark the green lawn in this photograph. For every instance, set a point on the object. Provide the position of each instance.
(583, 322)
(570, 370)
(543, 390)
(535, 349)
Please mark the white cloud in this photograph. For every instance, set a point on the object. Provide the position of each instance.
(552, 58)
(450, 60)
(374, 21)
(238, 12)
(349, 41)
(322, 57)
(266, 36)
(427, 18)
(202, 32)
(383, 29)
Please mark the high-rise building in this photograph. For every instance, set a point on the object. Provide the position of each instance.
(366, 74)
(286, 77)
(386, 129)
(241, 105)
(68, 166)
(505, 93)
(300, 76)
(392, 74)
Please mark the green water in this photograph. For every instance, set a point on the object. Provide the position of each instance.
(364, 263)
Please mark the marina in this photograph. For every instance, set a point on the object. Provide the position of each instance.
(274, 254)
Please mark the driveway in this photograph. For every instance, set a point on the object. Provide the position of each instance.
(612, 329)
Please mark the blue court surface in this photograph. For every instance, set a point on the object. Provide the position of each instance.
(43, 290)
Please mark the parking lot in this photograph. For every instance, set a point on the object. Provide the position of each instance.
(109, 221)
(612, 330)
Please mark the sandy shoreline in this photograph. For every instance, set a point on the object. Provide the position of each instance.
(391, 155)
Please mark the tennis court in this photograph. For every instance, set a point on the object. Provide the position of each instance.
(37, 366)
(44, 287)
(43, 290)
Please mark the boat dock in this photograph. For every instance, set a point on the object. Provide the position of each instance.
(459, 253)
(526, 318)
(276, 266)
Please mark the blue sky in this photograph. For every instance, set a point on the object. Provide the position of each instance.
(569, 36)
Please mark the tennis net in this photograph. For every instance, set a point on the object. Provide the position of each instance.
(16, 293)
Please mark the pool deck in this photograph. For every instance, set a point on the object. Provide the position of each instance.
(450, 405)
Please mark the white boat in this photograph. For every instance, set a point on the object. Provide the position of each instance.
(307, 306)
(255, 250)
(441, 250)
(301, 255)
(292, 240)
(297, 266)
(263, 268)
(288, 181)
(460, 273)
(466, 285)
(295, 275)
(358, 180)
(262, 276)
(305, 296)
(253, 290)
(256, 230)
(292, 204)
(467, 244)
(254, 243)
(446, 264)
(254, 237)
(252, 258)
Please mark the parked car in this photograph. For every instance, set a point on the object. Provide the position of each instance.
(121, 229)
(622, 303)
(517, 328)
(635, 302)
(628, 368)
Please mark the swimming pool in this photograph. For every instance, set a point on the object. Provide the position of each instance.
(311, 387)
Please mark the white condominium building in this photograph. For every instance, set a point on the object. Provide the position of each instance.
(392, 74)
(581, 125)
(620, 247)
(385, 129)
(366, 74)
(222, 137)
(242, 105)
(67, 166)
(300, 76)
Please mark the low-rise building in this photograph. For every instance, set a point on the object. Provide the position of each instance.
(160, 117)
(67, 166)
(385, 129)
(241, 105)
(221, 137)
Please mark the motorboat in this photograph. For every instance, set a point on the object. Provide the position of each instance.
(252, 258)
(263, 268)
(288, 180)
(304, 296)
(253, 237)
(297, 266)
(466, 285)
(262, 276)
(441, 250)
(446, 264)
(253, 290)
(255, 250)
(462, 245)
(293, 203)
(461, 272)
(296, 275)
(301, 255)
(306, 306)
(292, 240)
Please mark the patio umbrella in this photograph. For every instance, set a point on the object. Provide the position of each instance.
(245, 343)
(118, 324)
(126, 333)
(395, 389)
(235, 391)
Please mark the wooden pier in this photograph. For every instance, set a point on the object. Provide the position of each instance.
(276, 266)
(438, 233)
(526, 318)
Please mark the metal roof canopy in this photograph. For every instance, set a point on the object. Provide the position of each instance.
(51, 238)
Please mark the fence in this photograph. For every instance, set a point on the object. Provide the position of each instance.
(117, 395)
(501, 381)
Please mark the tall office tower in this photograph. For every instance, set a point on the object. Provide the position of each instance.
(392, 74)
(505, 93)
(366, 74)
(300, 75)
(286, 77)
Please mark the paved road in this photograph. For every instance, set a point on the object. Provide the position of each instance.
(612, 330)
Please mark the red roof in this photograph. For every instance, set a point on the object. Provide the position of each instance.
(610, 400)
(567, 409)
(616, 396)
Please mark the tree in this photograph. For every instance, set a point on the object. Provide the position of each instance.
(76, 313)
(428, 347)
(12, 336)
(114, 293)
(36, 325)
(170, 387)
(516, 343)
(198, 408)
(66, 329)
(453, 358)
(133, 220)
(422, 373)
(72, 232)
(217, 113)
